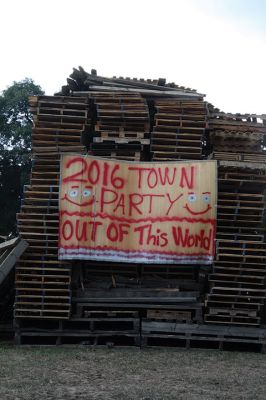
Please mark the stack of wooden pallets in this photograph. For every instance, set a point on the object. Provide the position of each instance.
(122, 126)
(237, 133)
(143, 120)
(179, 130)
(43, 284)
(111, 123)
(237, 283)
(58, 123)
(132, 287)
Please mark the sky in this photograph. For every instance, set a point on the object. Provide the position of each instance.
(214, 46)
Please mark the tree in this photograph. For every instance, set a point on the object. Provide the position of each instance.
(15, 149)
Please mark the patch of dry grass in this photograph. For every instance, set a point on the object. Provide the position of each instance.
(66, 373)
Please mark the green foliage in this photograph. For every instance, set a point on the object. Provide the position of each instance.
(15, 149)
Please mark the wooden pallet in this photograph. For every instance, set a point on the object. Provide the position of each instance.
(117, 154)
(43, 284)
(120, 133)
(238, 277)
(120, 120)
(119, 140)
(178, 316)
(193, 335)
(178, 130)
(124, 125)
(238, 157)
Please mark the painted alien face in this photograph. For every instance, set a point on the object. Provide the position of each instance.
(198, 204)
(81, 196)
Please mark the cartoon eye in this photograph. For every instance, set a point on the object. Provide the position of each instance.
(86, 193)
(206, 198)
(192, 197)
(73, 193)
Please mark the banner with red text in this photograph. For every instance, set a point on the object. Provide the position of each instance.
(137, 212)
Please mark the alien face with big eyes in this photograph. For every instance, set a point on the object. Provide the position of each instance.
(81, 196)
(198, 204)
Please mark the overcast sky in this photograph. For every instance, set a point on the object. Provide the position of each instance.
(214, 46)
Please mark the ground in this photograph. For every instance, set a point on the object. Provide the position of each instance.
(82, 372)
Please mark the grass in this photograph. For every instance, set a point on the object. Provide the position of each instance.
(29, 373)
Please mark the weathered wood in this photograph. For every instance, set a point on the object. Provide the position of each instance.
(8, 259)
(179, 125)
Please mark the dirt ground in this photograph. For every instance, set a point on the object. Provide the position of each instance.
(66, 373)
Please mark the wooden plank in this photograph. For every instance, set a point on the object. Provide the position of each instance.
(8, 263)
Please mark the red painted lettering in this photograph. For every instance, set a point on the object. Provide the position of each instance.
(81, 232)
(95, 225)
(166, 178)
(123, 231)
(140, 171)
(112, 232)
(141, 230)
(116, 181)
(164, 239)
(67, 230)
(116, 233)
(186, 180)
(172, 201)
(148, 237)
(135, 199)
(105, 174)
(93, 172)
(152, 179)
(121, 203)
(187, 239)
(150, 197)
(74, 177)
(107, 197)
